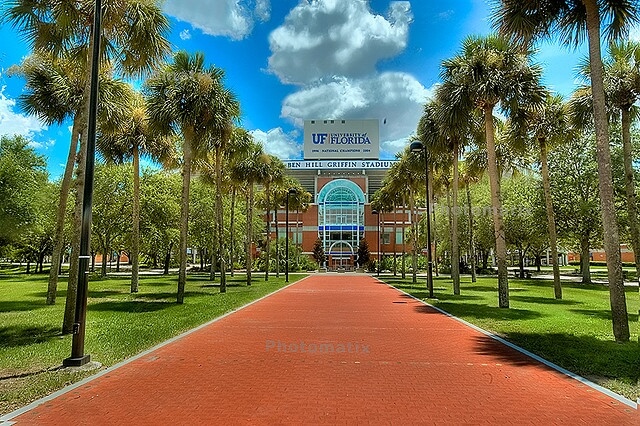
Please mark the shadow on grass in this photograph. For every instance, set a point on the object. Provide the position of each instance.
(21, 305)
(604, 314)
(21, 336)
(475, 310)
(544, 300)
(583, 355)
(132, 306)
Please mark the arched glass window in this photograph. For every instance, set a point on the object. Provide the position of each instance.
(340, 217)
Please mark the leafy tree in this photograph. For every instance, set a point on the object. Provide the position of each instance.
(111, 213)
(318, 253)
(22, 172)
(364, 255)
(574, 175)
(159, 215)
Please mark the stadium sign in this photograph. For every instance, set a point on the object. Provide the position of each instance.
(338, 164)
(341, 139)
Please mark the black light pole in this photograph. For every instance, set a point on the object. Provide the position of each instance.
(418, 146)
(378, 218)
(78, 357)
(292, 191)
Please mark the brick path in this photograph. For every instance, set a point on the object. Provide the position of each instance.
(394, 360)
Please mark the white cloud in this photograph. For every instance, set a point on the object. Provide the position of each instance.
(323, 38)
(13, 123)
(277, 142)
(185, 35)
(42, 145)
(397, 97)
(229, 18)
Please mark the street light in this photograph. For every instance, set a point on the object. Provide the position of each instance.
(416, 147)
(78, 357)
(292, 191)
(378, 214)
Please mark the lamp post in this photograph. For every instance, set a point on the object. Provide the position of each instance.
(292, 191)
(78, 357)
(378, 219)
(417, 147)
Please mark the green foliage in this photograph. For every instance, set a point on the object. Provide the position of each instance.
(364, 255)
(22, 173)
(318, 252)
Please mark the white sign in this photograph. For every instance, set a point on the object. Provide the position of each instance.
(341, 139)
(338, 164)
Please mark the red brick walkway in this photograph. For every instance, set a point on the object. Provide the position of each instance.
(393, 360)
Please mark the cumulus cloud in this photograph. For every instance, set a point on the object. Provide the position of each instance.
(323, 38)
(395, 96)
(229, 18)
(13, 123)
(42, 145)
(277, 142)
(185, 35)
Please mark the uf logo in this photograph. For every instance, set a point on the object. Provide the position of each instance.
(319, 138)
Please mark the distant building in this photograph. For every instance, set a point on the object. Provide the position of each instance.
(342, 170)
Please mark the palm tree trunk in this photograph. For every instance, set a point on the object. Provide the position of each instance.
(496, 204)
(395, 232)
(551, 218)
(58, 238)
(277, 245)
(249, 231)
(472, 249)
(231, 227)
(184, 213)
(404, 238)
(619, 315)
(584, 260)
(455, 249)
(414, 238)
(220, 221)
(267, 243)
(72, 284)
(630, 187)
(135, 234)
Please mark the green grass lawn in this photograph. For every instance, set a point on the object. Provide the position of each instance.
(119, 324)
(574, 332)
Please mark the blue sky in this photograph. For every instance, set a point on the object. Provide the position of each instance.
(290, 60)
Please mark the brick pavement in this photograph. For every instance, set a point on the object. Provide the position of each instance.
(333, 349)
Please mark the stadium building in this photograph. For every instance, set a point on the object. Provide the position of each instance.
(342, 170)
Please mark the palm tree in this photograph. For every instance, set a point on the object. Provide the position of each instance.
(490, 71)
(571, 21)
(547, 125)
(130, 137)
(271, 174)
(188, 98)
(249, 168)
(470, 175)
(134, 33)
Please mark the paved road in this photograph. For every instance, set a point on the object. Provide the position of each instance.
(333, 349)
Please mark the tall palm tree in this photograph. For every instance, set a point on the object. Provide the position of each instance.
(490, 72)
(134, 41)
(188, 98)
(249, 168)
(129, 136)
(546, 125)
(272, 172)
(571, 21)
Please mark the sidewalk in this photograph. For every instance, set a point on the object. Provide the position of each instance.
(333, 349)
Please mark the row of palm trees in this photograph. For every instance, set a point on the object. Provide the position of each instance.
(185, 116)
(496, 71)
